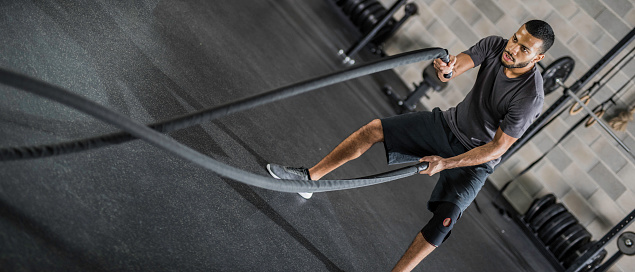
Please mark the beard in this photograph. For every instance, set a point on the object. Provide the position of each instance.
(513, 65)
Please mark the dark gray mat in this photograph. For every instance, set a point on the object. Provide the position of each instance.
(133, 207)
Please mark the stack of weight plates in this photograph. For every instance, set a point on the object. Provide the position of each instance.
(559, 231)
(364, 13)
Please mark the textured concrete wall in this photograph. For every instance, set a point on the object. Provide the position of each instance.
(588, 171)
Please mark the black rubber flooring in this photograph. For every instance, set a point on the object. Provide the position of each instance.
(134, 207)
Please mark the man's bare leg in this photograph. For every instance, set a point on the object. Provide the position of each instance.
(351, 148)
(418, 250)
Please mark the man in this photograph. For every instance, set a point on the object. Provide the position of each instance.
(464, 143)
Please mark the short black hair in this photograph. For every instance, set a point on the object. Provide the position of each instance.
(543, 31)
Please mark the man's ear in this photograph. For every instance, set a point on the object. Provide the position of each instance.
(539, 57)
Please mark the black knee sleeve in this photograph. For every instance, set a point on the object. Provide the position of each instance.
(439, 227)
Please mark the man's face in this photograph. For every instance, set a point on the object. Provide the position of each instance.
(522, 49)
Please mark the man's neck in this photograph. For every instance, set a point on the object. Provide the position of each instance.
(516, 72)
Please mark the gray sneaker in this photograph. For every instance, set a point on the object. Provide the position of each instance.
(286, 172)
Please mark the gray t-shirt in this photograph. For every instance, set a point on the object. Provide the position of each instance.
(495, 100)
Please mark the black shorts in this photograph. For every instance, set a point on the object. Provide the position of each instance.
(409, 137)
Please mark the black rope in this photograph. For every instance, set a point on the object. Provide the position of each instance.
(28, 152)
(168, 144)
(154, 137)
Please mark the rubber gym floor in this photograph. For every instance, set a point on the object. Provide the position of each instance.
(134, 207)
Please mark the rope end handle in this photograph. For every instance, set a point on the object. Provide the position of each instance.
(422, 167)
(446, 59)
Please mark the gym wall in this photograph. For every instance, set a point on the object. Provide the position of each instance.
(588, 172)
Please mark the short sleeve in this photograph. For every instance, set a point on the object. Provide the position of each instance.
(484, 48)
(521, 114)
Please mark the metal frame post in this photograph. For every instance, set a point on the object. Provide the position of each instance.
(611, 261)
(584, 260)
(370, 35)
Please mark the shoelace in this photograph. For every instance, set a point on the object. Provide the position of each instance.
(297, 171)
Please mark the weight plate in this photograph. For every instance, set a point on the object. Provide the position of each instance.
(340, 2)
(556, 231)
(384, 32)
(577, 241)
(368, 22)
(568, 260)
(546, 215)
(350, 5)
(568, 232)
(531, 207)
(372, 19)
(626, 243)
(595, 262)
(344, 3)
(369, 9)
(347, 4)
(359, 22)
(574, 242)
(549, 224)
(357, 10)
(559, 69)
(556, 226)
(411, 9)
(539, 205)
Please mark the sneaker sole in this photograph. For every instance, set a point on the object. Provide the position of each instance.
(303, 195)
(271, 172)
(306, 195)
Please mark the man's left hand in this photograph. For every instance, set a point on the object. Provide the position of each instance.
(435, 165)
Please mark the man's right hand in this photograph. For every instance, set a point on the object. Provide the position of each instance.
(444, 68)
(436, 164)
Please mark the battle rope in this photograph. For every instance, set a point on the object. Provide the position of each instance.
(28, 152)
(138, 130)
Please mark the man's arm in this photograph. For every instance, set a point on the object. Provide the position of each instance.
(457, 65)
(479, 155)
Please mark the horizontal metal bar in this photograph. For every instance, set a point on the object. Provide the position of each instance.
(604, 125)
